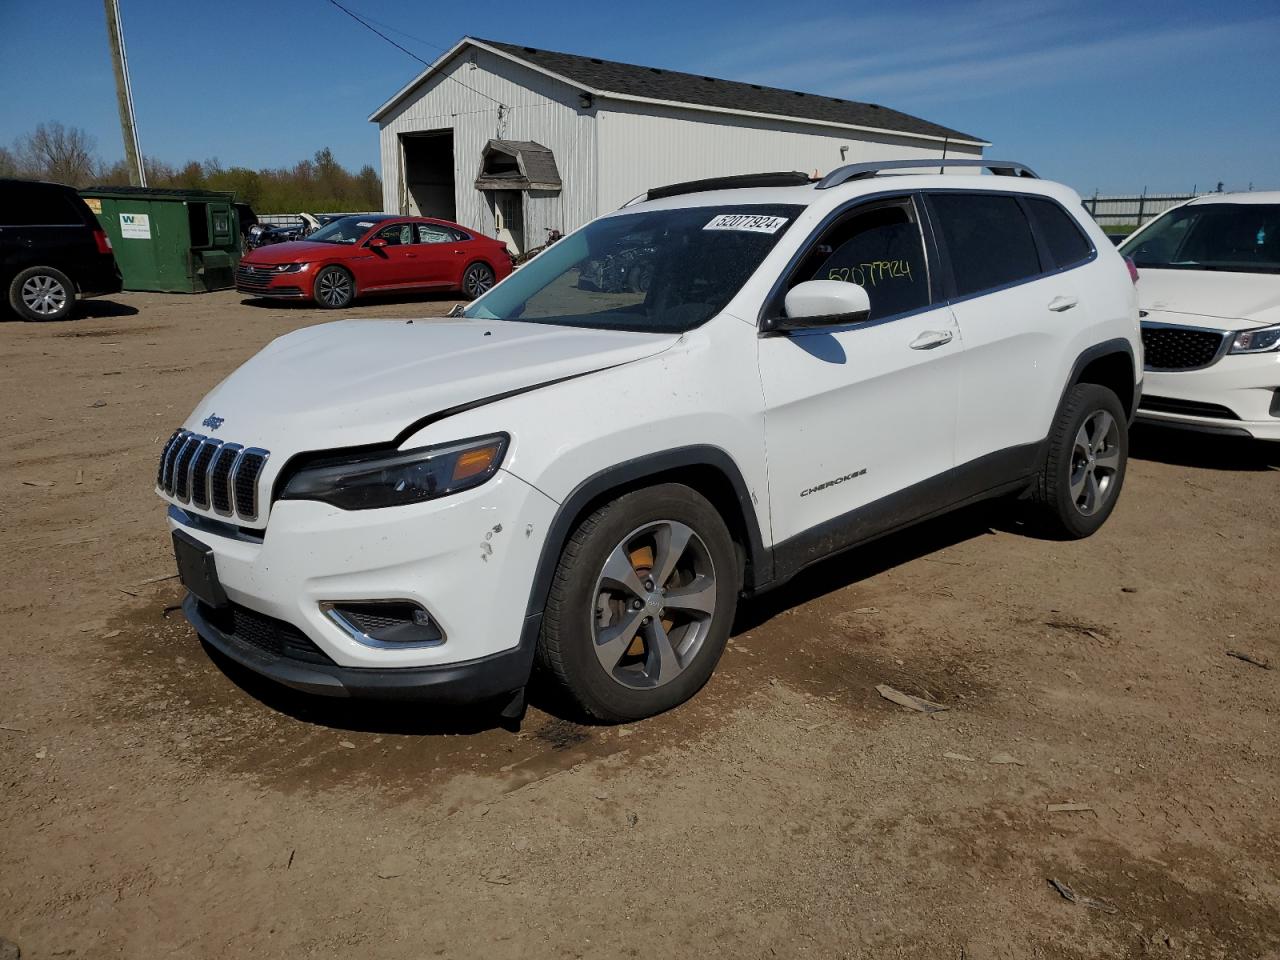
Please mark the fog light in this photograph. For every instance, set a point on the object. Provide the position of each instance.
(385, 623)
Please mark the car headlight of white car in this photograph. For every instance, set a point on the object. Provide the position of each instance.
(1260, 340)
(410, 476)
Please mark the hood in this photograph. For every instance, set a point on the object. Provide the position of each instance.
(358, 382)
(293, 251)
(1242, 299)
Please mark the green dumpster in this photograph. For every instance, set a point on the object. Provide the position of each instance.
(176, 241)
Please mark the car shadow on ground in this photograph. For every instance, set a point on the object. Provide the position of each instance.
(366, 716)
(543, 694)
(84, 310)
(834, 573)
(1206, 451)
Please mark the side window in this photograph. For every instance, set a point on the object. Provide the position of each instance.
(988, 240)
(879, 248)
(397, 235)
(1066, 241)
(435, 233)
(24, 205)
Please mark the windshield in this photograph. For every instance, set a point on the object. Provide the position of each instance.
(1237, 237)
(660, 271)
(343, 230)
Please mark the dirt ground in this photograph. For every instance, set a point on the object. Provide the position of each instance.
(154, 802)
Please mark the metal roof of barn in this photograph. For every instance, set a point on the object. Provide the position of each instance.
(627, 81)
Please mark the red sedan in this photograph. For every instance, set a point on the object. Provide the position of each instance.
(382, 253)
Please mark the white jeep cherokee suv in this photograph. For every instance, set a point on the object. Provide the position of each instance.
(1210, 297)
(684, 402)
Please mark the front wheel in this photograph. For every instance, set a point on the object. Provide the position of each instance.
(477, 279)
(334, 288)
(641, 603)
(42, 293)
(1084, 468)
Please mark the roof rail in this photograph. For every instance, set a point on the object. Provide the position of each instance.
(861, 171)
(789, 179)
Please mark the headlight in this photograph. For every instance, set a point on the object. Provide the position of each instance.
(400, 478)
(1256, 341)
(290, 267)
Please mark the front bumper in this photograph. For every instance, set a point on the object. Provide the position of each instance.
(281, 291)
(468, 560)
(484, 678)
(1237, 395)
(256, 281)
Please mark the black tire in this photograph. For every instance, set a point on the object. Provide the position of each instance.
(570, 626)
(42, 293)
(334, 288)
(477, 279)
(1066, 509)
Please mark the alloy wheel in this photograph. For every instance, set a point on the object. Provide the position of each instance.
(1095, 462)
(654, 602)
(335, 288)
(44, 295)
(477, 281)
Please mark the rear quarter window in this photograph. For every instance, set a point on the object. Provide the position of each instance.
(33, 204)
(1067, 243)
(988, 240)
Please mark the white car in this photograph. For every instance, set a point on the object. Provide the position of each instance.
(1209, 290)
(592, 470)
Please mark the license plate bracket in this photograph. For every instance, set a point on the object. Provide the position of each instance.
(197, 569)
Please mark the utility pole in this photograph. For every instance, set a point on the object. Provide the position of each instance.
(124, 94)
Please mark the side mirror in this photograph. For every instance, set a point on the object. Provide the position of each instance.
(377, 243)
(823, 303)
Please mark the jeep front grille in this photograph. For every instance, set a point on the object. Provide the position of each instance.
(210, 474)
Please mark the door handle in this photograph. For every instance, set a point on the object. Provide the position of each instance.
(931, 339)
(459, 252)
(1059, 304)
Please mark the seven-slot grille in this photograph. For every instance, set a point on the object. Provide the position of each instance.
(1180, 348)
(210, 474)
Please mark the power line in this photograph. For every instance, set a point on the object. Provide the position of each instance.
(398, 31)
(367, 25)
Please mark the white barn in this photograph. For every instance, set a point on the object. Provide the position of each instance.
(514, 141)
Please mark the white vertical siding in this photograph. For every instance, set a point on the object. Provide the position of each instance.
(539, 109)
(611, 153)
(647, 145)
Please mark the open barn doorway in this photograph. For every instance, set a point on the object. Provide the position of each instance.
(427, 187)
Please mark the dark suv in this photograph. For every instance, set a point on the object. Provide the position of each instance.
(51, 249)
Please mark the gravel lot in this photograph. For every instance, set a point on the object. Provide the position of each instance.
(154, 802)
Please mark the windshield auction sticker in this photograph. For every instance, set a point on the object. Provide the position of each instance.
(746, 221)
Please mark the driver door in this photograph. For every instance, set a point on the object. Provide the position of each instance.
(394, 265)
(858, 417)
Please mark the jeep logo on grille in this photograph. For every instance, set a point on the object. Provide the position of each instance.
(212, 421)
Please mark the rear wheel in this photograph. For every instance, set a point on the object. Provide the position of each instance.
(477, 279)
(334, 288)
(641, 604)
(42, 293)
(1084, 469)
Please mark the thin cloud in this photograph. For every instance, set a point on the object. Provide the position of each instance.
(1034, 44)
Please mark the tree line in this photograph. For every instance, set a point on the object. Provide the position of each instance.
(318, 185)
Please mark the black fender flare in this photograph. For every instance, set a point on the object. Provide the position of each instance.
(624, 475)
(1097, 351)
(1087, 356)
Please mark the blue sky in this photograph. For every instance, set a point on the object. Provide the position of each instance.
(1101, 95)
